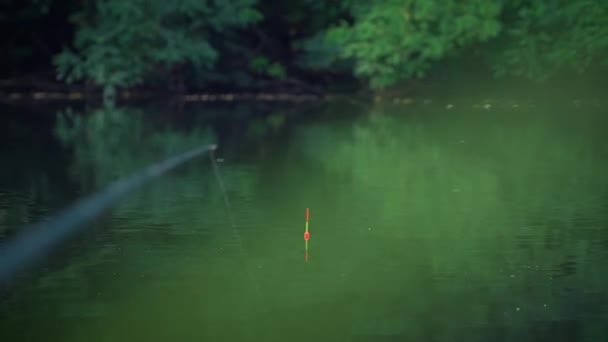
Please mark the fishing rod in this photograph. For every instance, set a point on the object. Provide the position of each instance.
(39, 239)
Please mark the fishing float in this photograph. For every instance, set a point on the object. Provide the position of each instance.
(306, 236)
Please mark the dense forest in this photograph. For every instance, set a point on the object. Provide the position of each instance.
(301, 45)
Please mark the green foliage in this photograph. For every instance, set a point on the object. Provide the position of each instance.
(263, 66)
(243, 43)
(550, 35)
(124, 41)
(308, 21)
(400, 39)
(321, 54)
(31, 31)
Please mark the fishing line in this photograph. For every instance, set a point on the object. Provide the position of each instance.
(234, 227)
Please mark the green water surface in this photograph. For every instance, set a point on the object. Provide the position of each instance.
(440, 220)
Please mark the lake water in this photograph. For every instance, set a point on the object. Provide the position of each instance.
(438, 220)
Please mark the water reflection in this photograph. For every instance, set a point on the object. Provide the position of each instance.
(426, 224)
(32, 187)
(505, 211)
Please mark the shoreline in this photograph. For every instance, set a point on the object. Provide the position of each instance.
(127, 95)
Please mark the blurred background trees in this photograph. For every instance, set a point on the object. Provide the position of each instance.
(253, 44)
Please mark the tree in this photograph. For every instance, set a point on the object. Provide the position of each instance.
(400, 39)
(549, 35)
(254, 43)
(121, 43)
(33, 31)
(397, 40)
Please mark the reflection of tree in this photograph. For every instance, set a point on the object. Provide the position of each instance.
(179, 217)
(32, 182)
(508, 211)
(111, 143)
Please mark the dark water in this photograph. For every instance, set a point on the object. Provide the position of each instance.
(441, 220)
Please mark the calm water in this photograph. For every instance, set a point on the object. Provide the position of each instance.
(451, 220)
